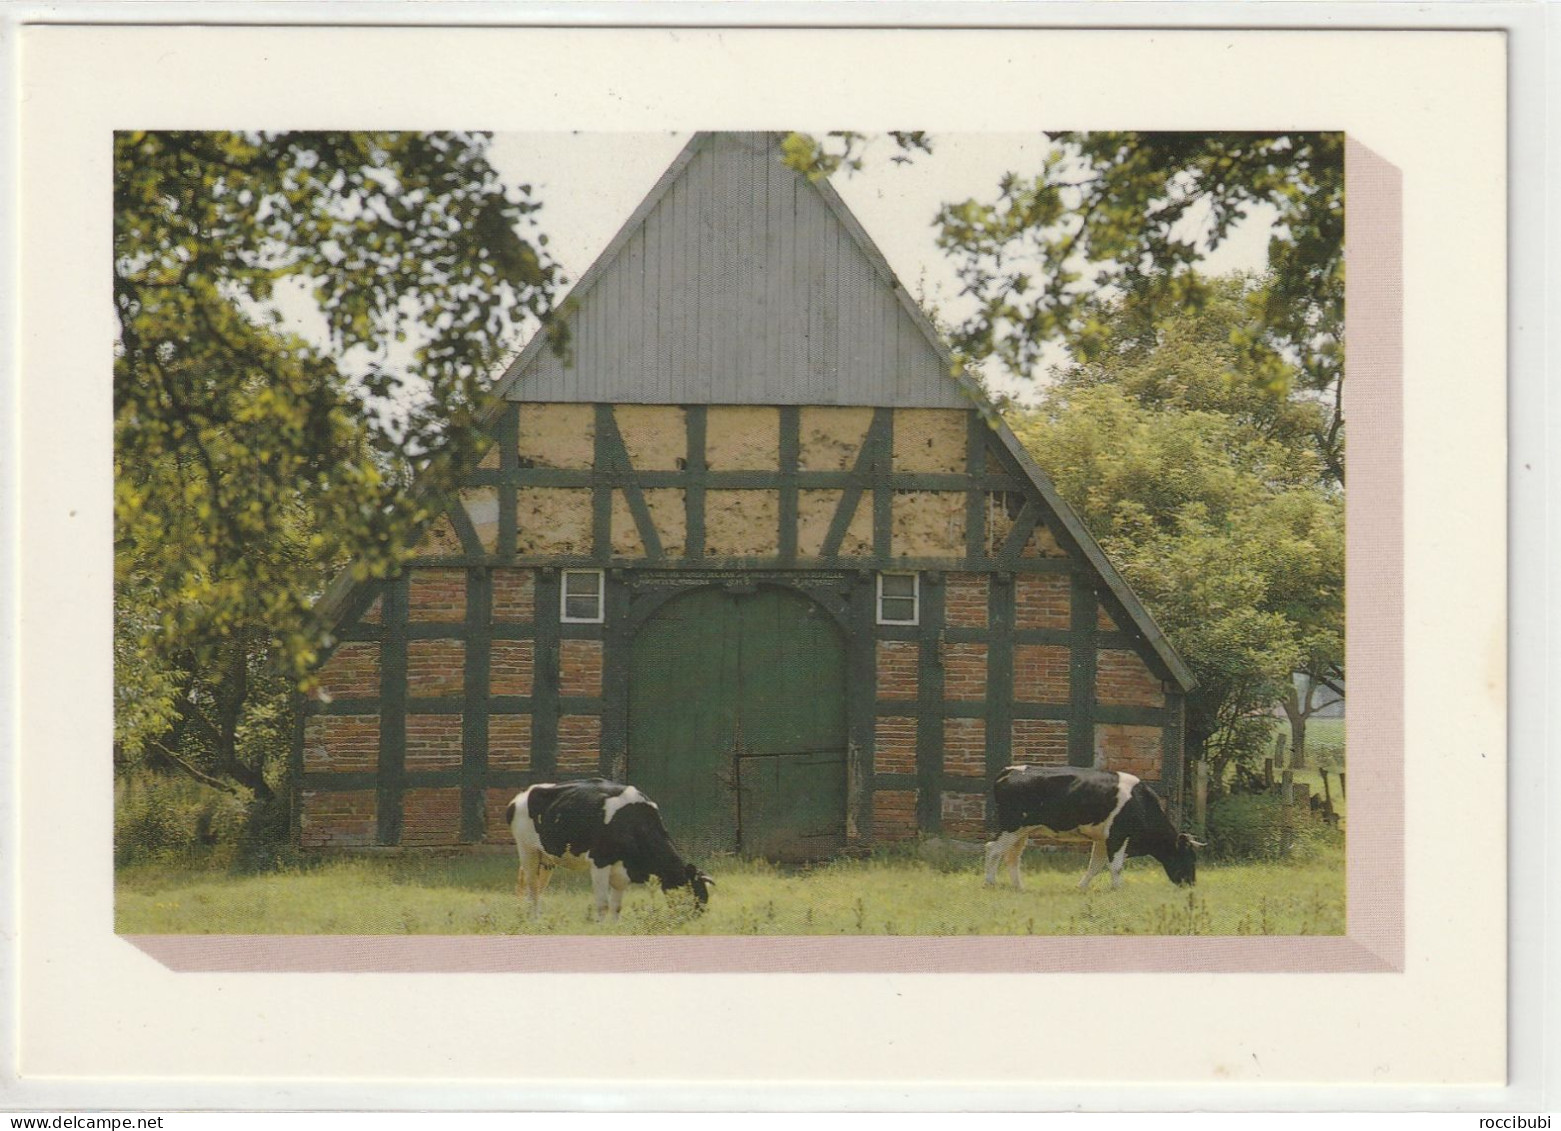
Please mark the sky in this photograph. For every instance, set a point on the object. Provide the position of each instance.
(590, 183)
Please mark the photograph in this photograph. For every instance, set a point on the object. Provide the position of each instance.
(771, 588)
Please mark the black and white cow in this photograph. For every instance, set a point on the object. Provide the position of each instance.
(613, 829)
(1120, 815)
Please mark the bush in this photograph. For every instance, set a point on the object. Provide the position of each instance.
(1326, 755)
(160, 818)
(1248, 827)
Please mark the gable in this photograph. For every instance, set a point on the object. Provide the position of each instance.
(739, 281)
(741, 296)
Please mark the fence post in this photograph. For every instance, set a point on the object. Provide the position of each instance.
(1327, 796)
(1200, 795)
(1287, 812)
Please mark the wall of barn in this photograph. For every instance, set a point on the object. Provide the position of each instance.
(458, 683)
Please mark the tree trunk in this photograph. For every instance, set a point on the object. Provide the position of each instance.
(220, 736)
(1195, 754)
(233, 698)
(1297, 711)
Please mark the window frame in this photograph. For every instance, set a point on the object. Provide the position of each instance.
(564, 595)
(914, 598)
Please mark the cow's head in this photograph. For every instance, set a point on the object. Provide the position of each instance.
(1181, 865)
(701, 883)
(692, 877)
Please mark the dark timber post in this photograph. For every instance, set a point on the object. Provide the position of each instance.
(1200, 795)
(1287, 811)
(391, 775)
(1081, 674)
(930, 712)
(474, 710)
(861, 701)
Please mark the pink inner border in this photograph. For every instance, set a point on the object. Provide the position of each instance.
(1374, 939)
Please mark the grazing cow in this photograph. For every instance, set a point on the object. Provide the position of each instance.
(613, 829)
(1120, 815)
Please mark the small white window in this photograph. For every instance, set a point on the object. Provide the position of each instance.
(899, 598)
(582, 595)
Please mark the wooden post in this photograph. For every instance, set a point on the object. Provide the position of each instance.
(1344, 793)
(1200, 795)
(1287, 812)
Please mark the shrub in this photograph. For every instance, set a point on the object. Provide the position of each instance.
(158, 817)
(1327, 755)
(266, 841)
(161, 818)
(1248, 827)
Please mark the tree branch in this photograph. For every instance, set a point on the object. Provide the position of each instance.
(198, 775)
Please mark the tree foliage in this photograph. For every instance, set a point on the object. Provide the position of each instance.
(248, 464)
(819, 157)
(1112, 229)
(1210, 495)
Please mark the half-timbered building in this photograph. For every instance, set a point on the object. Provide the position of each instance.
(749, 543)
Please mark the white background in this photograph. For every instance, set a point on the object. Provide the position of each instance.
(95, 1010)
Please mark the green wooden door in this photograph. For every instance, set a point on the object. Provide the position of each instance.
(737, 723)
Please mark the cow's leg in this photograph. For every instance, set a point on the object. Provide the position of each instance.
(601, 890)
(996, 850)
(617, 881)
(1097, 861)
(1006, 849)
(1119, 859)
(528, 884)
(1014, 854)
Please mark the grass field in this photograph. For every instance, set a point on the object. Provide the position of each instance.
(897, 894)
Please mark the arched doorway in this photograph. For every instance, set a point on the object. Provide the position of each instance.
(737, 722)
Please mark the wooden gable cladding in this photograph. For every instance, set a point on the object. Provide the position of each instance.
(738, 282)
(707, 484)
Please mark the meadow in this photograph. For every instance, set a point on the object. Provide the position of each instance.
(1247, 884)
(936, 890)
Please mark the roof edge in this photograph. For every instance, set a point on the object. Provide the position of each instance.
(1069, 518)
(598, 268)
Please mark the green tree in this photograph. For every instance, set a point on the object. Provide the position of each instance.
(248, 464)
(1111, 232)
(1208, 492)
(1112, 229)
(820, 157)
